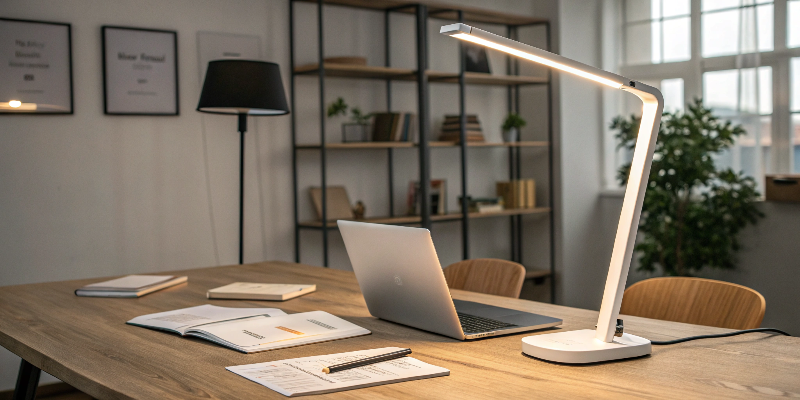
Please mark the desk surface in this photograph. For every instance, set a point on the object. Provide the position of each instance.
(86, 343)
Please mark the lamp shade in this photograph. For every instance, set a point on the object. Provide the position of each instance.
(243, 87)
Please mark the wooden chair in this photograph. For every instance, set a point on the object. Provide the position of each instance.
(695, 301)
(486, 275)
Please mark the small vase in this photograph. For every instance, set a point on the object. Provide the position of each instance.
(352, 132)
(511, 135)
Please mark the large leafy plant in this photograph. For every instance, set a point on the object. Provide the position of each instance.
(692, 211)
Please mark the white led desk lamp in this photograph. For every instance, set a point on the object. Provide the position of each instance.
(587, 345)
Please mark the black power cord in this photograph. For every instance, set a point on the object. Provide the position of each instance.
(686, 339)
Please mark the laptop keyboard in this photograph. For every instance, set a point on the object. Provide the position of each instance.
(472, 324)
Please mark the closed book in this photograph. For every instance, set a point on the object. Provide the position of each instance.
(530, 194)
(383, 126)
(457, 118)
(506, 191)
(454, 127)
(519, 192)
(260, 291)
(130, 286)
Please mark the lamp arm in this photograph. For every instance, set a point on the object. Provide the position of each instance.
(652, 107)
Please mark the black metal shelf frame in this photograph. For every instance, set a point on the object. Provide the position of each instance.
(423, 97)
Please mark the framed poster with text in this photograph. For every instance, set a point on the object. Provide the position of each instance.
(140, 71)
(36, 67)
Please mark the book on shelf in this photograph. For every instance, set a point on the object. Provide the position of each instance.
(472, 126)
(438, 202)
(483, 205)
(251, 330)
(456, 119)
(393, 127)
(130, 286)
(520, 193)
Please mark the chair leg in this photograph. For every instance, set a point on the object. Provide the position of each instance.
(27, 381)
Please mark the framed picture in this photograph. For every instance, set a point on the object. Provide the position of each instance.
(476, 59)
(36, 67)
(140, 71)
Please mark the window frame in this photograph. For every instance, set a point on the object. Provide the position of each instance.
(691, 71)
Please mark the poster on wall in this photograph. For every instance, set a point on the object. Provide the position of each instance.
(225, 46)
(140, 71)
(36, 67)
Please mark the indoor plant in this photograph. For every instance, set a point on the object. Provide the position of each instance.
(693, 210)
(358, 129)
(511, 127)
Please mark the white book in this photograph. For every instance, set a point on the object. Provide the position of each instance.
(304, 376)
(251, 330)
(260, 291)
(130, 286)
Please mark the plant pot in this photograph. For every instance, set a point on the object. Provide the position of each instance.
(352, 132)
(511, 135)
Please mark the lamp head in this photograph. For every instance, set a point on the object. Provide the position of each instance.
(243, 87)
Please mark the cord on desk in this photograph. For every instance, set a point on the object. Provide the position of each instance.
(686, 339)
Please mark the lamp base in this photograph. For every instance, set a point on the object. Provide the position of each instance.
(581, 347)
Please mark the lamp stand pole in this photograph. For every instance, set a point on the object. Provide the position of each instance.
(242, 130)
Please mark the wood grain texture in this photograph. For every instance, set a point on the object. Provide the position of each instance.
(486, 275)
(85, 342)
(695, 301)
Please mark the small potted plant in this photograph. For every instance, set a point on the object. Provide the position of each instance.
(358, 129)
(511, 127)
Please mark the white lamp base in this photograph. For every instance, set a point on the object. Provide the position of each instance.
(581, 347)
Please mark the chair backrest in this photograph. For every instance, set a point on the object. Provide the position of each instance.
(486, 275)
(695, 301)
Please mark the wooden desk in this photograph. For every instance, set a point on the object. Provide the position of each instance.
(86, 343)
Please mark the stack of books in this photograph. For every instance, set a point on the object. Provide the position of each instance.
(394, 127)
(520, 193)
(483, 205)
(451, 130)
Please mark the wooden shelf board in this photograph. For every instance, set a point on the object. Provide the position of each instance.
(536, 273)
(440, 11)
(413, 219)
(377, 72)
(478, 78)
(395, 145)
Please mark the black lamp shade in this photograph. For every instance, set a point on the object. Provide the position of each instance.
(243, 87)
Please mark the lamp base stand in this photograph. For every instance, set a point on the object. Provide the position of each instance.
(581, 347)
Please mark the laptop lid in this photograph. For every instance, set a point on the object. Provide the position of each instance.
(400, 276)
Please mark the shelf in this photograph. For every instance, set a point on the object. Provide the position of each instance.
(403, 74)
(413, 219)
(400, 145)
(439, 11)
(478, 78)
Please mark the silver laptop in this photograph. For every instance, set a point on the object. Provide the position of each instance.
(402, 281)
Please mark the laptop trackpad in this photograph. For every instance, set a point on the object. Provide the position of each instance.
(483, 310)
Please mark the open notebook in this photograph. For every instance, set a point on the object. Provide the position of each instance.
(251, 330)
(304, 376)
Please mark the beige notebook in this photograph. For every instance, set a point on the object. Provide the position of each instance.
(260, 291)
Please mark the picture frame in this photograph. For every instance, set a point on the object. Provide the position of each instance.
(476, 59)
(140, 71)
(37, 76)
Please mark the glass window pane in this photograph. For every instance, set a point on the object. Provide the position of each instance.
(672, 90)
(655, 42)
(793, 37)
(795, 86)
(677, 43)
(720, 91)
(637, 44)
(710, 5)
(655, 9)
(720, 33)
(674, 8)
(765, 90)
(764, 23)
(637, 10)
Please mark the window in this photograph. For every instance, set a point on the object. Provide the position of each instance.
(793, 23)
(735, 67)
(657, 31)
(729, 27)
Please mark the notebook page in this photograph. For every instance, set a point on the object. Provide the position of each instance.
(185, 318)
(304, 376)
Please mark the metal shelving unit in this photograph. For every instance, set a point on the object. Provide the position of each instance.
(512, 80)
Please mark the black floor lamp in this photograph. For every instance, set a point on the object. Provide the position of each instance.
(243, 88)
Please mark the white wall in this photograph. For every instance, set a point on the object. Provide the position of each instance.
(90, 195)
